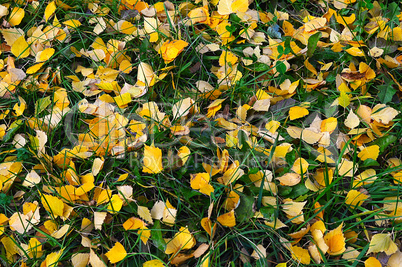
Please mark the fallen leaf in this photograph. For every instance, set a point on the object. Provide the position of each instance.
(116, 253)
(227, 219)
(382, 243)
(152, 160)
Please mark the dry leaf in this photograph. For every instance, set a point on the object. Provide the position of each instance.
(382, 243)
(116, 253)
(152, 160)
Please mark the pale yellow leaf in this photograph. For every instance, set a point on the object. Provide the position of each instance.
(382, 243)
(144, 213)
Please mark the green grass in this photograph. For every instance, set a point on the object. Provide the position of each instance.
(206, 138)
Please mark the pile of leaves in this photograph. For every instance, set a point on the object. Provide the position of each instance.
(208, 133)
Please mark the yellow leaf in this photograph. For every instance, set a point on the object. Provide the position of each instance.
(315, 24)
(123, 100)
(34, 68)
(16, 16)
(366, 177)
(344, 99)
(383, 114)
(372, 262)
(180, 241)
(382, 243)
(34, 248)
(370, 152)
(345, 20)
(11, 35)
(298, 112)
(214, 107)
(229, 58)
(240, 6)
(154, 263)
(182, 108)
(72, 23)
(61, 232)
(61, 99)
(199, 15)
(144, 213)
(227, 219)
(300, 166)
(290, 179)
(50, 9)
(335, 241)
(294, 209)
(300, 254)
(97, 165)
(310, 67)
(133, 224)
(146, 75)
(329, 125)
(125, 66)
(201, 181)
(52, 204)
(184, 153)
(206, 224)
(127, 27)
(52, 259)
(152, 160)
(346, 168)
(45, 54)
(20, 107)
(115, 204)
(355, 198)
(272, 126)
(20, 48)
(376, 52)
(354, 51)
(9, 244)
(225, 7)
(116, 253)
(171, 49)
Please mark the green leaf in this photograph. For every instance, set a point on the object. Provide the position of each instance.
(42, 104)
(242, 136)
(291, 157)
(280, 67)
(298, 190)
(259, 67)
(312, 43)
(386, 92)
(391, 12)
(5, 200)
(284, 191)
(12, 130)
(268, 213)
(245, 209)
(156, 236)
(384, 142)
(369, 163)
